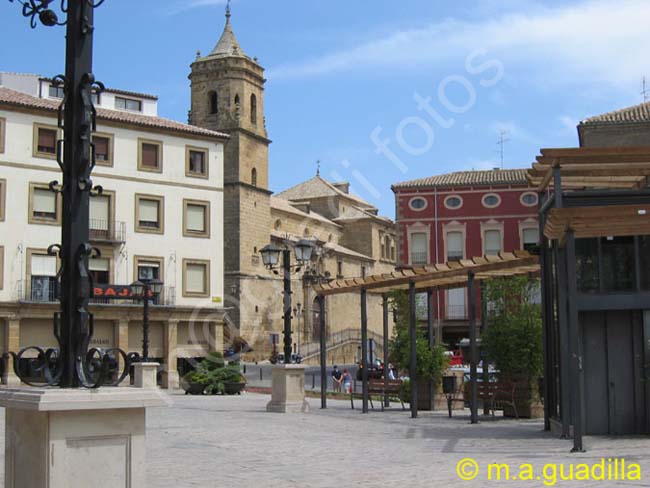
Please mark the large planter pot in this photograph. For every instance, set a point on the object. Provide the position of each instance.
(234, 388)
(527, 400)
(192, 388)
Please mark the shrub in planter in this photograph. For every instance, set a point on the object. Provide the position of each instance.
(513, 339)
(195, 382)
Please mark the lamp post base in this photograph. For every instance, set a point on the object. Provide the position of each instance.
(288, 395)
(65, 438)
(145, 375)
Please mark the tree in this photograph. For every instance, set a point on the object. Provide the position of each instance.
(513, 339)
(431, 363)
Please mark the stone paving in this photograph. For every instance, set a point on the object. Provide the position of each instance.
(232, 442)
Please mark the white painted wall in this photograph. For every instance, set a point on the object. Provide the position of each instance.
(18, 167)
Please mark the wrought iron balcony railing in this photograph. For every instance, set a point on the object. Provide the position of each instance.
(107, 231)
(456, 312)
(418, 258)
(44, 290)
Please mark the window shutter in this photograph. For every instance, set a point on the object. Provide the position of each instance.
(195, 218)
(44, 201)
(98, 264)
(454, 244)
(99, 212)
(149, 210)
(101, 148)
(46, 138)
(149, 155)
(419, 242)
(43, 265)
(195, 278)
(531, 236)
(492, 241)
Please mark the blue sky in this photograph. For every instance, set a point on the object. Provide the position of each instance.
(433, 82)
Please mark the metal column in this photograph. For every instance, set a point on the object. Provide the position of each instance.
(484, 358)
(413, 364)
(386, 338)
(472, 347)
(323, 353)
(575, 341)
(364, 349)
(431, 338)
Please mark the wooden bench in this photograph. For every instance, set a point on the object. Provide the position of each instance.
(376, 386)
(496, 394)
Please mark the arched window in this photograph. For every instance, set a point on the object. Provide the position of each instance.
(254, 177)
(253, 109)
(214, 102)
(236, 99)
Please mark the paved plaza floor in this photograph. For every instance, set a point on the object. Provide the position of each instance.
(232, 442)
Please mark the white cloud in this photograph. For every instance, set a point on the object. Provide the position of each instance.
(595, 40)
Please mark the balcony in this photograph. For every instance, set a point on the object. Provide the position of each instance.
(106, 231)
(44, 290)
(418, 258)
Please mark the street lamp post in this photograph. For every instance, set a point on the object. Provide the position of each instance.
(271, 257)
(146, 290)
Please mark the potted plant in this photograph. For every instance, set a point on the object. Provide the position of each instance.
(513, 342)
(194, 382)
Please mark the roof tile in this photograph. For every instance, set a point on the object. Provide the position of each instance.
(469, 178)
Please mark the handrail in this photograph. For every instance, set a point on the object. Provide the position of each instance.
(339, 338)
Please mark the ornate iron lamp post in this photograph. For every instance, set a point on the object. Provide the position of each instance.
(145, 291)
(271, 258)
(72, 365)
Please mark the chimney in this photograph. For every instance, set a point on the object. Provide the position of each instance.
(342, 186)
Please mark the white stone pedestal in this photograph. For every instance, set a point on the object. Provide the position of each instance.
(145, 375)
(288, 395)
(64, 438)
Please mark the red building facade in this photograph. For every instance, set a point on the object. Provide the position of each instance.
(463, 215)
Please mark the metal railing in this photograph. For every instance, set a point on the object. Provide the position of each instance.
(45, 291)
(107, 230)
(338, 339)
(418, 258)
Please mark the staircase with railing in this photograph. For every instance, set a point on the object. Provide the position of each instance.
(340, 339)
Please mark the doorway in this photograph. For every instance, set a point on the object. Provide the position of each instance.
(616, 356)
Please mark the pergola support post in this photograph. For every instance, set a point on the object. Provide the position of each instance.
(485, 361)
(546, 323)
(575, 341)
(413, 364)
(473, 351)
(364, 348)
(431, 338)
(384, 304)
(565, 358)
(323, 353)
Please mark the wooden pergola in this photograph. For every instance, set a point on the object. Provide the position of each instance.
(456, 274)
(584, 193)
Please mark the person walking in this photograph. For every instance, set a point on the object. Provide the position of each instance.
(346, 379)
(336, 379)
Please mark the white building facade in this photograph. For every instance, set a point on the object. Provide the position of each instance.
(160, 215)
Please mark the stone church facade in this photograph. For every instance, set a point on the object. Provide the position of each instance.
(352, 240)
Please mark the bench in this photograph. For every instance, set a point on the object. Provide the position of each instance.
(496, 394)
(377, 386)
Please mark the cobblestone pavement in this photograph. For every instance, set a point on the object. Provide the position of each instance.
(232, 442)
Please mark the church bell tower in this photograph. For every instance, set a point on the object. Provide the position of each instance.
(227, 95)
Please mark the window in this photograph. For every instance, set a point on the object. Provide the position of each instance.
(44, 205)
(42, 277)
(455, 246)
(213, 100)
(149, 214)
(196, 218)
(528, 199)
(150, 156)
(254, 177)
(278, 224)
(122, 103)
(103, 144)
(45, 140)
(587, 274)
(418, 203)
(148, 268)
(3, 199)
(56, 91)
(196, 278)
(453, 202)
(419, 253)
(339, 268)
(618, 263)
(456, 304)
(644, 264)
(3, 129)
(492, 242)
(196, 162)
(491, 200)
(363, 271)
(530, 238)
(100, 216)
(236, 99)
(254, 109)
(100, 270)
